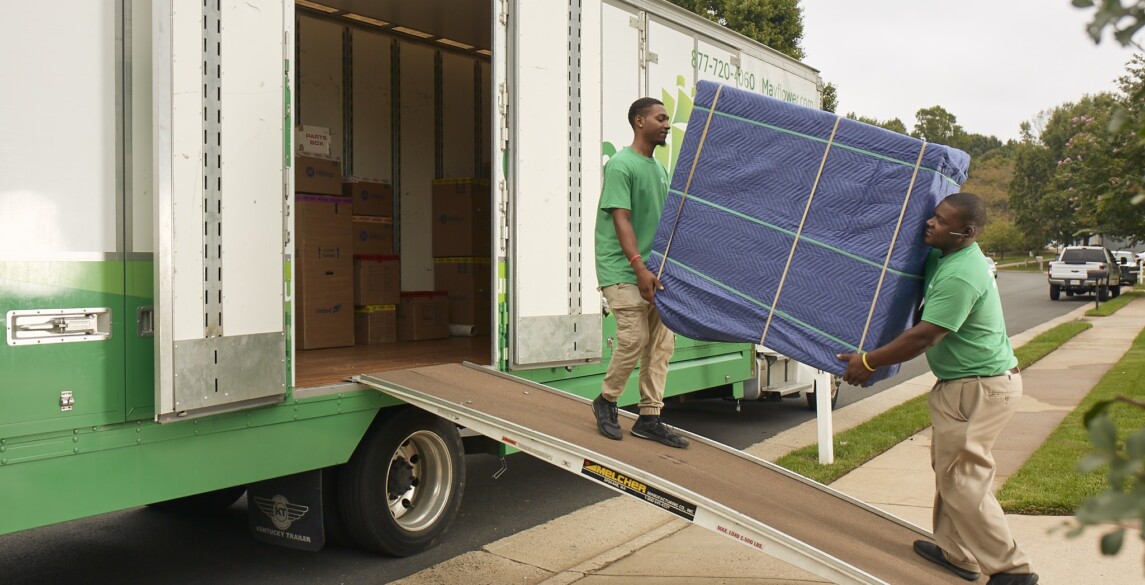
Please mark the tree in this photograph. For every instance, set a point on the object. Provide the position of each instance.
(990, 179)
(830, 99)
(775, 23)
(894, 124)
(976, 145)
(935, 124)
(1054, 194)
(1000, 236)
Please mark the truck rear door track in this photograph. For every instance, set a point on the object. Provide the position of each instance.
(747, 499)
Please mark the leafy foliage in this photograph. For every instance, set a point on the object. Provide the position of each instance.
(775, 23)
(935, 124)
(830, 98)
(1122, 455)
(1126, 19)
(894, 124)
(1077, 179)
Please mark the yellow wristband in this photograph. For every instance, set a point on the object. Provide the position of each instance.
(865, 364)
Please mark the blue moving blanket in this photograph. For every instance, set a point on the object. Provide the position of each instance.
(759, 245)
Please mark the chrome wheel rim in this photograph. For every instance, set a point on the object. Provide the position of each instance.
(419, 481)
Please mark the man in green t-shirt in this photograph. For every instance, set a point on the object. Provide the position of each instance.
(635, 186)
(964, 336)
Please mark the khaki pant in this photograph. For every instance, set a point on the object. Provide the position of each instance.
(640, 337)
(969, 525)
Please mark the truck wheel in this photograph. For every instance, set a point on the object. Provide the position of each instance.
(836, 381)
(1116, 291)
(402, 487)
(1055, 292)
(1103, 293)
(211, 502)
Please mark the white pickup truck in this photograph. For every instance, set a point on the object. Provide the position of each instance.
(1084, 270)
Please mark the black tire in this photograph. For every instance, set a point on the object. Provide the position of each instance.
(836, 381)
(1055, 292)
(1116, 291)
(402, 488)
(211, 502)
(1103, 293)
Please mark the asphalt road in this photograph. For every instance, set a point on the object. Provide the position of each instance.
(147, 546)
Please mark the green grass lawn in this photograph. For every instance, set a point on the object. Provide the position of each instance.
(1049, 482)
(1112, 305)
(864, 442)
(1030, 266)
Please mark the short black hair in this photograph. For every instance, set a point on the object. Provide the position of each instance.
(970, 208)
(639, 107)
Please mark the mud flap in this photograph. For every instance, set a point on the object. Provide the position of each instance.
(287, 511)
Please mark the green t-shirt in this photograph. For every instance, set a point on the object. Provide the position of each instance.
(639, 184)
(962, 297)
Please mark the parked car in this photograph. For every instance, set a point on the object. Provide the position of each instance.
(1129, 265)
(1084, 270)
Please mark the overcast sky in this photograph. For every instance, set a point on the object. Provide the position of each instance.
(991, 63)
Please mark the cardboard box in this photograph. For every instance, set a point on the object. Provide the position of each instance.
(371, 196)
(323, 278)
(467, 283)
(317, 175)
(461, 218)
(374, 324)
(313, 140)
(373, 236)
(423, 315)
(377, 280)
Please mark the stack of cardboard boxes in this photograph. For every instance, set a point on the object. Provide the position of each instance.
(345, 259)
(377, 272)
(461, 250)
(323, 253)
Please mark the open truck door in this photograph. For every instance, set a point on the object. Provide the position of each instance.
(220, 181)
(554, 307)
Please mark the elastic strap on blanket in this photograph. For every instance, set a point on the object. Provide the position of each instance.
(894, 238)
(688, 183)
(799, 232)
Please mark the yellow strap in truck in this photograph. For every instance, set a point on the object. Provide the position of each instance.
(727, 491)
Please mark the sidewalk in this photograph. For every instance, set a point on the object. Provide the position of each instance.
(621, 541)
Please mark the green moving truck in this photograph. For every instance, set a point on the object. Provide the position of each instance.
(150, 275)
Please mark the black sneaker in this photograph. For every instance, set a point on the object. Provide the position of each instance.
(650, 427)
(934, 554)
(605, 412)
(1013, 579)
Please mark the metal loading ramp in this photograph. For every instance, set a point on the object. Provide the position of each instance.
(747, 499)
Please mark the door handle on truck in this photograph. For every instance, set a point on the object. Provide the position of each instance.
(38, 326)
